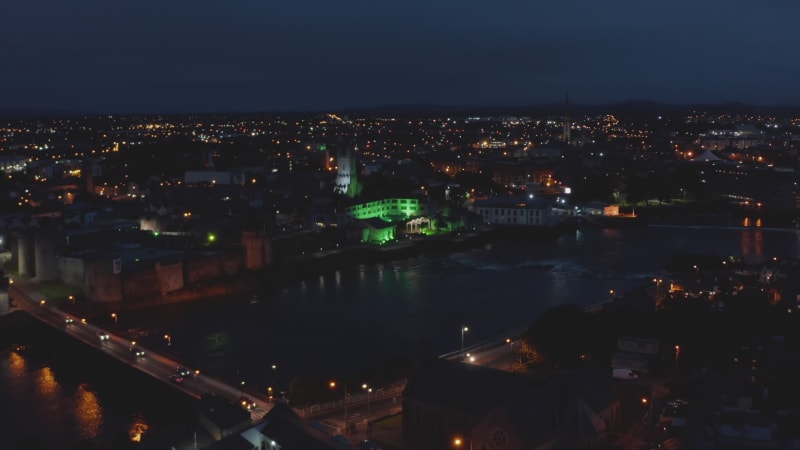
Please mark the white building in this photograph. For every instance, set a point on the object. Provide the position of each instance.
(528, 210)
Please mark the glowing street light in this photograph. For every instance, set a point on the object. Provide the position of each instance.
(658, 282)
(168, 338)
(332, 384)
(366, 387)
(459, 442)
(115, 317)
(510, 342)
(464, 329)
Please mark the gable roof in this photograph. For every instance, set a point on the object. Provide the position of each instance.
(570, 404)
(707, 155)
(290, 432)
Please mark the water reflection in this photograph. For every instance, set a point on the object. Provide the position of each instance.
(88, 413)
(752, 244)
(46, 385)
(137, 428)
(17, 365)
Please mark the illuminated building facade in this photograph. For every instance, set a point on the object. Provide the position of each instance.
(346, 181)
(527, 210)
(389, 209)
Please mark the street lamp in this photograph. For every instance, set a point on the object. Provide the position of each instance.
(196, 373)
(366, 387)
(71, 299)
(464, 329)
(459, 442)
(168, 338)
(649, 403)
(658, 282)
(510, 342)
(332, 384)
(41, 303)
(116, 319)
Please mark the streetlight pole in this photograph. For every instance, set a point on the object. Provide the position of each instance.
(658, 281)
(332, 385)
(511, 343)
(366, 387)
(168, 338)
(116, 318)
(464, 329)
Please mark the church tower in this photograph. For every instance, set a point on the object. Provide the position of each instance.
(346, 173)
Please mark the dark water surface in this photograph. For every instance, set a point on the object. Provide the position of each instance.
(342, 320)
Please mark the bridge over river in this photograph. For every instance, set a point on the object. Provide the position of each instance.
(161, 366)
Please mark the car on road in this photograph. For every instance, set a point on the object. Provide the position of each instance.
(137, 351)
(175, 378)
(183, 371)
(247, 403)
(103, 336)
(69, 320)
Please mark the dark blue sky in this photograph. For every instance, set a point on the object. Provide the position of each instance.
(247, 55)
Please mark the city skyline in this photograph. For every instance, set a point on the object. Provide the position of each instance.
(149, 57)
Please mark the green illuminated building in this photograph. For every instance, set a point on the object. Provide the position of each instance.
(389, 209)
(380, 217)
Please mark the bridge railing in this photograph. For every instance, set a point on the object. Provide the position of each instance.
(356, 398)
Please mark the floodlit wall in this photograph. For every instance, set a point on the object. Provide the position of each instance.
(170, 276)
(202, 269)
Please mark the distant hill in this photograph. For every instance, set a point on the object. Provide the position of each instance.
(634, 107)
(30, 113)
(627, 108)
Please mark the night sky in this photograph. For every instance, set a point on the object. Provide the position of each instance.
(149, 56)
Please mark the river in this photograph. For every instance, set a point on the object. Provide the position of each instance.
(342, 320)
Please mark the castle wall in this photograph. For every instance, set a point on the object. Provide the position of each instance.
(140, 285)
(72, 271)
(197, 270)
(103, 286)
(170, 276)
(26, 265)
(232, 263)
(45, 261)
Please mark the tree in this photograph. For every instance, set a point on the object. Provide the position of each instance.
(561, 334)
